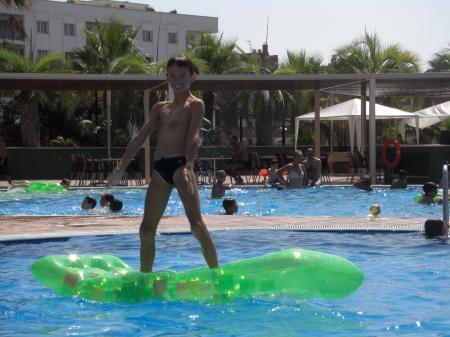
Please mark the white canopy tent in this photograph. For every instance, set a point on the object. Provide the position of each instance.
(351, 112)
(430, 116)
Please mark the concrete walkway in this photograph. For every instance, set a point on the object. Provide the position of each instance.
(14, 228)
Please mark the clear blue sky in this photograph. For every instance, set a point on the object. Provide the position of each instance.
(320, 26)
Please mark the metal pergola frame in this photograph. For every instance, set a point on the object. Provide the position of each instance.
(435, 85)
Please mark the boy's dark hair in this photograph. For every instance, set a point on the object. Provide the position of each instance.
(182, 62)
(91, 200)
(228, 202)
(429, 187)
(108, 197)
(115, 205)
(435, 227)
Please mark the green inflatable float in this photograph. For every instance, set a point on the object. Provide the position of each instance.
(293, 273)
(44, 187)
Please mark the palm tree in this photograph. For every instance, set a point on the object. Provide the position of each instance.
(300, 62)
(262, 104)
(440, 60)
(213, 55)
(109, 49)
(368, 55)
(29, 100)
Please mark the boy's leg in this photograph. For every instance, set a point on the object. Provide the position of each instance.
(156, 199)
(188, 192)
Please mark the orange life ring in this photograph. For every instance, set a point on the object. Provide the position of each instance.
(391, 164)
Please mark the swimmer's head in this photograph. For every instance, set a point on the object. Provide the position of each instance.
(430, 188)
(221, 176)
(105, 199)
(298, 155)
(88, 203)
(230, 205)
(435, 228)
(115, 205)
(375, 209)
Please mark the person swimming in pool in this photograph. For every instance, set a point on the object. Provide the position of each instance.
(429, 194)
(88, 203)
(218, 189)
(436, 228)
(296, 172)
(178, 124)
(230, 206)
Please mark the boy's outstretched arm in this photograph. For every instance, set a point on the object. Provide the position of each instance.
(135, 144)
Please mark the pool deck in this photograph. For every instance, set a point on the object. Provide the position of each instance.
(15, 228)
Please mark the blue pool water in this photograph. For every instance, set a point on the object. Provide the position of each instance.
(406, 290)
(325, 201)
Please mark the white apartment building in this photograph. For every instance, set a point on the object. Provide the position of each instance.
(53, 26)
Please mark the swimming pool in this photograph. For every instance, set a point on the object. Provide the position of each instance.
(324, 201)
(405, 291)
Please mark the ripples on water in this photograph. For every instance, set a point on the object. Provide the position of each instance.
(325, 201)
(405, 291)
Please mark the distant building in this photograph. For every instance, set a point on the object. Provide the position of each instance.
(266, 60)
(58, 26)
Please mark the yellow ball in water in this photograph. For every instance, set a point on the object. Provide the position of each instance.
(375, 209)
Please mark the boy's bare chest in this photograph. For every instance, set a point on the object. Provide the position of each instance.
(174, 119)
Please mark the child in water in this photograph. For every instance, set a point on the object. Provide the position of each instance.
(374, 211)
(218, 189)
(230, 205)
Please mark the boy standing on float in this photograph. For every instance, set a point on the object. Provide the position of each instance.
(178, 124)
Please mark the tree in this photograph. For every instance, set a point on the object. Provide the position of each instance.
(109, 49)
(300, 62)
(368, 55)
(213, 55)
(441, 60)
(29, 100)
(262, 104)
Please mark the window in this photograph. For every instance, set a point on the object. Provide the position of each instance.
(173, 38)
(42, 27)
(9, 30)
(147, 35)
(42, 52)
(69, 29)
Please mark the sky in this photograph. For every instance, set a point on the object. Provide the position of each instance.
(321, 26)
